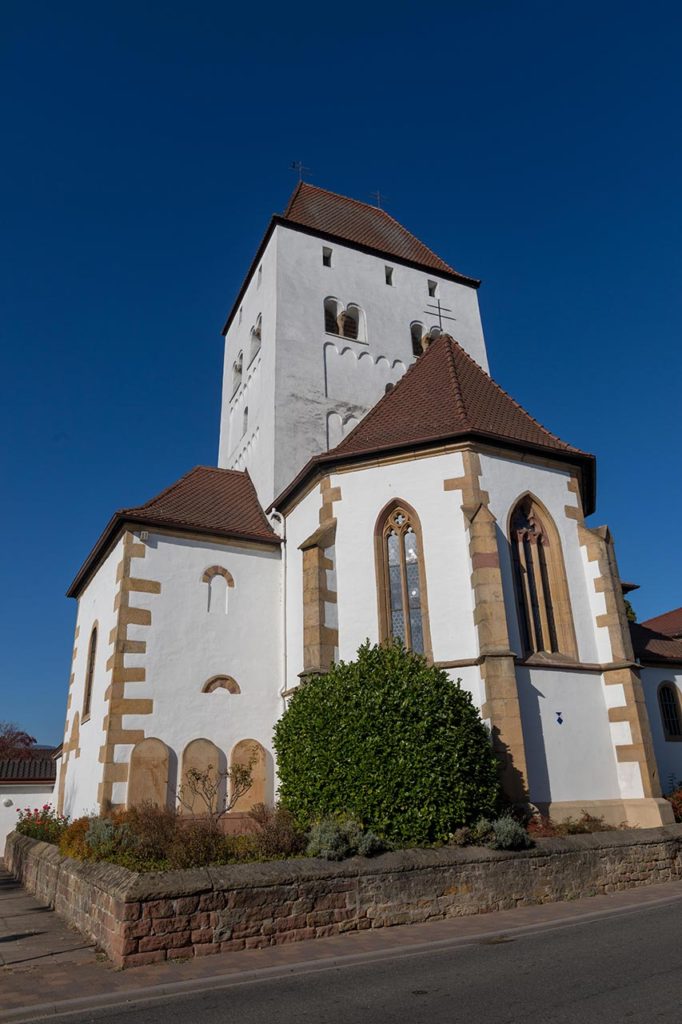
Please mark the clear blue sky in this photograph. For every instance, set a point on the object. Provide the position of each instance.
(534, 145)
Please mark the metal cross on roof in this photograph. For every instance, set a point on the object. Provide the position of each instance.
(298, 165)
(378, 198)
(439, 311)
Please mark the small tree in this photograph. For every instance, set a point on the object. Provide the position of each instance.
(14, 742)
(392, 741)
(216, 790)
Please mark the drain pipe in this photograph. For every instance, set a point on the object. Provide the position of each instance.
(280, 526)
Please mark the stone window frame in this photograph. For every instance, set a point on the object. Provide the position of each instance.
(553, 608)
(90, 672)
(668, 686)
(221, 682)
(381, 530)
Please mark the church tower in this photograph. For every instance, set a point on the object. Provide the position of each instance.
(338, 302)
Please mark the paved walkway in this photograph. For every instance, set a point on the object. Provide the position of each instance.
(46, 965)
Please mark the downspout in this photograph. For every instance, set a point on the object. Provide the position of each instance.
(281, 530)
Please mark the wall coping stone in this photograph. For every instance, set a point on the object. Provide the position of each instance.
(131, 886)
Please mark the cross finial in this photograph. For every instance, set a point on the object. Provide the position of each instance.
(437, 310)
(297, 165)
(378, 198)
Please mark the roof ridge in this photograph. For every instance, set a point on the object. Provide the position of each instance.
(292, 197)
(540, 426)
(459, 394)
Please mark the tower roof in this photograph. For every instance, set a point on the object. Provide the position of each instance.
(670, 623)
(339, 218)
(217, 502)
(445, 396)
(359, 223)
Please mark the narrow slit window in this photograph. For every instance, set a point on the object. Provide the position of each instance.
(326, 256)
(90, 673)
(260, 277)
(388, 271)
(433, 289)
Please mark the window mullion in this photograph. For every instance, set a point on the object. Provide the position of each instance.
(525, 569)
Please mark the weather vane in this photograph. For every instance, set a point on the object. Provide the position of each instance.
(298, 165)
(378, 197)
(437, 310)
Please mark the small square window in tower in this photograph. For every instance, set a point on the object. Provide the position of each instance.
(326, 256)
(433, 289)
(389, 275)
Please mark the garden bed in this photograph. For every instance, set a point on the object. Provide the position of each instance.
(142, 918)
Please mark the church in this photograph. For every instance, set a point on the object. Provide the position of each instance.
(373, 481)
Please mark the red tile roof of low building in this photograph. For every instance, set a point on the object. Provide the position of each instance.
(28, 769)
(669, 623)
(217, 502)
(443, 397)
(653, 647)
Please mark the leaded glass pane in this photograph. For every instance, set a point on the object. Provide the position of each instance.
(671, 718)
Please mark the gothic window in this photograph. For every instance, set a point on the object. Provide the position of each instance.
(237, 372)
(90, 673)
(545, 618)
(256, 337)
(670, 711)
(416, 336)
(332, 308)
(402, 585)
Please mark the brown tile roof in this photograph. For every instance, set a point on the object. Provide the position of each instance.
(28, 769)
(670, 623)
(652, 647)
(359, 223)
(446, 396)
(333, 216)
(218, 502)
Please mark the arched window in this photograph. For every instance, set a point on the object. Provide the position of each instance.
(219, 581)
(545, 619)
(332, 308)
(90, 673)
(416, 336)
(256, 338)
(237, 372)
(403, 612)
(669, 703)
(353, 323)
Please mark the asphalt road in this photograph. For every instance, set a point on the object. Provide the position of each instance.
(626, 968)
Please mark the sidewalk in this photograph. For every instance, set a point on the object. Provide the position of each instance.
(49, 968)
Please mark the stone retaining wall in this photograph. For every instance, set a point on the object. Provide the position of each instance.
(143, 918)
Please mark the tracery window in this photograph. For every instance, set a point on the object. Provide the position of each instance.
(402, 597)
(545, 619)
(90, 673)
(670, 711)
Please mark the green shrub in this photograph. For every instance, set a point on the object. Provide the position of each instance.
(390, 740)
(278, 834)
(328, 839)
(72, 840)
(508, 834)
(371, 844)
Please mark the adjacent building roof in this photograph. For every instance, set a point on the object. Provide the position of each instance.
(445, 396)
(218, 502)
(29, 769)
(653, 647)
(670, 623)
(339, 218)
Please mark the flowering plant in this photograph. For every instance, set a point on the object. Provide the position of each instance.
(41, 823)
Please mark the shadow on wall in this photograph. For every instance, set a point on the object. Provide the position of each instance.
(540, 790)
(514, 783)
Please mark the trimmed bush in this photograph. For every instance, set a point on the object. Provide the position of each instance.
(508, 834)
(390, 740)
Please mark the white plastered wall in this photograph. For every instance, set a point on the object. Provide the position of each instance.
(16, 796)
(571, 759)
(188, 643)
(96, 604)
(254, 449)
(365, 493)
(668, 752)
